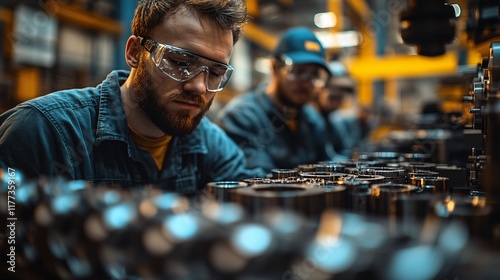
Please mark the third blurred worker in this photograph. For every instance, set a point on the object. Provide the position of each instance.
(276, 126)
(348, 128)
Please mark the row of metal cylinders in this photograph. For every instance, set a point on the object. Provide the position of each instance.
(407, 192)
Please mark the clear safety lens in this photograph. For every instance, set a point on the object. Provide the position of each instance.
(183, 65)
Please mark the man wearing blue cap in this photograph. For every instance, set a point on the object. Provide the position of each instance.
(275, 126)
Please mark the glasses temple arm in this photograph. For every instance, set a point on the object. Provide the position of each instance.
(148, 44)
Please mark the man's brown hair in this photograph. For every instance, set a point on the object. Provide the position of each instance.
(227, 14)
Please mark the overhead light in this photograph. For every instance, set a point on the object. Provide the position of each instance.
(325, 20)
(343, 39)
(263, 65)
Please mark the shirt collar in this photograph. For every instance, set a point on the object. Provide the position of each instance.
(112, 121)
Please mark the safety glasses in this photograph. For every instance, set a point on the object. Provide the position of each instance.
(317, 75)
(182, 65)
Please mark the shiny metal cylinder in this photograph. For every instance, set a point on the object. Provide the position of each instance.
(294, 181)
(392, 175)
(457, 175)
(422, 173)
(433, 184)
(357, 195)
(257, 199)
(352, 170)
(257, 180)
(473, 211)
(335, 196)
(283, 173)
(412, 166)
(322, 178)
(383, 197)
(306, 168)
(329, 167)
(371, 179)
(414, 206)
(221, 191)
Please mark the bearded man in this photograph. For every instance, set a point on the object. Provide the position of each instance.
(146, 126)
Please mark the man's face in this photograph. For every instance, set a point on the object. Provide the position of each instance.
(178, 107)
(177, 121)
(294, 91)
(332, 95)
(330, 99)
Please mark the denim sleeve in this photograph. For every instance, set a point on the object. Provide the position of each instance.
(248, 130)
(29, 144)
(226, 160)
(342, 134)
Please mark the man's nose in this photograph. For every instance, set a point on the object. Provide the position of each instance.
(197, 84)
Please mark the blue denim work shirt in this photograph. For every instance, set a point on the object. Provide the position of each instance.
(82, 134)
(260, 129)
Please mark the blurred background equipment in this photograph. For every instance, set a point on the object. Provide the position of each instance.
(429, 25)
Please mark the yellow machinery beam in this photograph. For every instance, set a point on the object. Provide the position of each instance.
(28, 83)
(361, 9)
(253, 8)
(403, 66)
(259, 36)
(82, 17)
(7, 17)
(366, 49)
(336, 7)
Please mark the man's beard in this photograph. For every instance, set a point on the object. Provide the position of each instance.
(171, 123)
(284, 99)
(322, 110)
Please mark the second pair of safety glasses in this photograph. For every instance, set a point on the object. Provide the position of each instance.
(182, 65)
(318, 76)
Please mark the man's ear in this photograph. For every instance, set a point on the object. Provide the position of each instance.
(133, 51)
(275, 65)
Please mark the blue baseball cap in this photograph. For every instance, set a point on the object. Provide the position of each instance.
(301, 46)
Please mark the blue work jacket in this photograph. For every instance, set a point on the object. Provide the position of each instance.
(260, 129)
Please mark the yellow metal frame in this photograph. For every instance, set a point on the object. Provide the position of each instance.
(7, 17)
(259, 36)
(85, 19)
(403, 66)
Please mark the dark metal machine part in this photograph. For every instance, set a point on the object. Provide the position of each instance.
(391, 174)
(221, 191)
(305, 200)
(384, 196)
(428, 25)
(433, 184)
(283, 173)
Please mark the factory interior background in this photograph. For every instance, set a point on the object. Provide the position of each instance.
(421, 104)
(54, 45)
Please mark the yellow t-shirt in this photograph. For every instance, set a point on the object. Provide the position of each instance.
(157, 147)
(292, 124)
